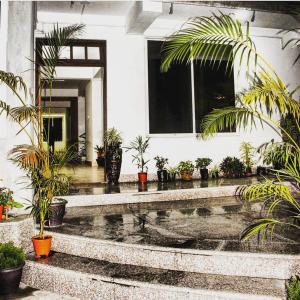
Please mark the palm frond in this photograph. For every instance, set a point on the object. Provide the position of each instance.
(4, 107)
(226, 118)
(27, 157)
(55, 41)
(24, 113)
(209, 38)
(294, 41)
(261, 226)
(271, 94)
(14, 82)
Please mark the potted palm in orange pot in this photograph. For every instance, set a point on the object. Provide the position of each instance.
(140, 146)
(41, 165)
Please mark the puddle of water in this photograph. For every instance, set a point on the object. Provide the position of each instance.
(207, 224)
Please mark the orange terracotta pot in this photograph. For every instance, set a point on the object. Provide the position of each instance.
(42, 247)
(1, 211)
(143, 177)
(186, 176)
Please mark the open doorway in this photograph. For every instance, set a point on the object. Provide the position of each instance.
(74, 112)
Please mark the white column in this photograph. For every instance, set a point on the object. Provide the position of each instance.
(3, 58)
(94, 113)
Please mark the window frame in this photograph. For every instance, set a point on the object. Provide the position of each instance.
(193, 134)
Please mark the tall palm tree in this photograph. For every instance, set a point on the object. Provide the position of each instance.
(41, 166)
(208, 39)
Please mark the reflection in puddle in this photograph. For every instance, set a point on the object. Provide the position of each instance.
(214, 223)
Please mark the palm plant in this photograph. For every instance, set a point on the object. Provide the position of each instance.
(209, 39)
(41, 166)
(139, 145)
(247, 155)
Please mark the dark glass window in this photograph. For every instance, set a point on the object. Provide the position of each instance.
(214, 88)
(55, 130)
(170, 93)
(170, 99)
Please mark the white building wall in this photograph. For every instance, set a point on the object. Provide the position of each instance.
(127, 95)
(128, 102)
(19, 49)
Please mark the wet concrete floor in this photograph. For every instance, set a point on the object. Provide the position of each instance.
(206, 224)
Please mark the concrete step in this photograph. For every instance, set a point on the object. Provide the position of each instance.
(263, 265)
(86, 278)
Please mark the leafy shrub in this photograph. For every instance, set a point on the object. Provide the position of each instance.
(10, 256)
(160, 162)
(232, 167)
(202, 163)
(293, 288)
(186, 166)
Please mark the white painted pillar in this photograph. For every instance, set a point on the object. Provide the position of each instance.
(94, 117)
(3, 58)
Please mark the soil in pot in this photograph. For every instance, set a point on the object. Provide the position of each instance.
(143, 177)
(10, 279)
(162, 176)
(1, 211)
(186, 176)
(56, 213)
(204, 174)
(42, 247)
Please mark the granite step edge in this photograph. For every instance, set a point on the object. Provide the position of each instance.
(93, 286)
(277, 266)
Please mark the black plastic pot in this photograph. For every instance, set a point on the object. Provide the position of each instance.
(162, 176)
(100, 161)
(261, 171)
(215, 175)
(57, 211)
(204, 174)
(171, 177)
(113, 162)
(10, 280)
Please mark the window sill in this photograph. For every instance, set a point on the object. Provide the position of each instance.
(189, 135)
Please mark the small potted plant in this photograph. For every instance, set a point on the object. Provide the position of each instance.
(162, 173)
(247, 154)
(113, 155)
(172, 172)
(186, 170)
(232, 167)
(215, 171)
(12, 260)
(201, 164)
(7, 201)
(140, 146)
(40, 210)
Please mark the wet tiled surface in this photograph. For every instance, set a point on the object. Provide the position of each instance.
(100, 188)
(113, 271)
(206, 224)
